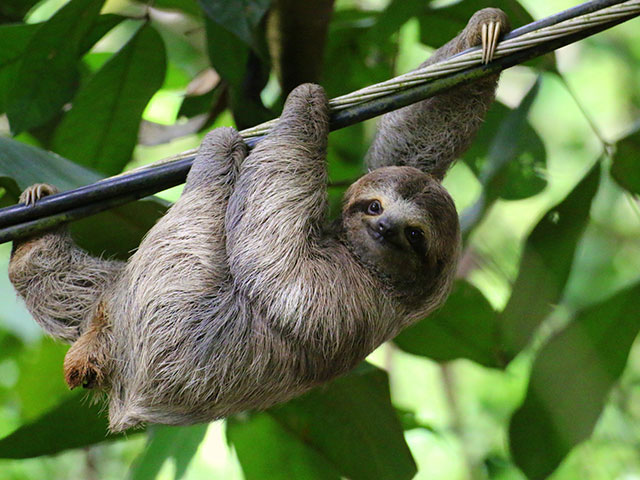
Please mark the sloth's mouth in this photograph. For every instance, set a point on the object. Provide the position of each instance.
(387, 240)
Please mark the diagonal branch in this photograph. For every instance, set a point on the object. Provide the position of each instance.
(525, 43)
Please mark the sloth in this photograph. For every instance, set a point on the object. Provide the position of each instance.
(244, 295)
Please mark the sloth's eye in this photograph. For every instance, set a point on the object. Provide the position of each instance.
(374, 208)
(414, 235)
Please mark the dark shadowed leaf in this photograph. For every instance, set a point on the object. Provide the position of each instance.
(348, 425)
(354, 57)
(47, 75)
(14, 40)
(626, 163)
(465, 327)
(101, 129)
(74, 423)
(546, 264)
(15, 10)
(166, 442)
(240, 17)
(115, 232)
(570, 380)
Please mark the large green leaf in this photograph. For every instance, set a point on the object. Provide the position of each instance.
(15, 39)
(507, 141)
(41, 384)
(101, 129)
(354, 56)
(465, 327)
(166, 442)
(546, 264)
(47, 75)
(115, 232)
(75, 422)
(240, 17)
(570, 380)
(508, 157)
(626, 162)
(281, 456)
(348, 427)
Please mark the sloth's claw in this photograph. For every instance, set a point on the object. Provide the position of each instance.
(490, 33)
(35, 192)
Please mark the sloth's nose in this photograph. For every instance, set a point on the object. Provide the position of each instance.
(385, 227)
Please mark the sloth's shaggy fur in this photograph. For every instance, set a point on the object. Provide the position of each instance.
(242, 296)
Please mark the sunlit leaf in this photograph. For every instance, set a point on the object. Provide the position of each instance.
(165, 442)
(47, 75)
(546, 264)
(101, 129)
(348, 428)
(570, 380)
(41, 384)
(464, 327)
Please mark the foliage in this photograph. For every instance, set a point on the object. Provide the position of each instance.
(548, 280)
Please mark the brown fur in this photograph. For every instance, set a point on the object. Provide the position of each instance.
(242, 296)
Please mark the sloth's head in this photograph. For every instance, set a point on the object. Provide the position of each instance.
(402, 223)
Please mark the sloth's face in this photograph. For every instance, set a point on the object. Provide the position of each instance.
(402, 223)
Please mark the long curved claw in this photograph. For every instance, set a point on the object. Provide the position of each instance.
(490, 36)
(35, 192)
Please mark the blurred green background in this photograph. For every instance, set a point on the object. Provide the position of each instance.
(531, 369)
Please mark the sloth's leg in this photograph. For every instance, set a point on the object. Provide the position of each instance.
(60, 283)
(178, 264)
(431, 134)
(279, 203)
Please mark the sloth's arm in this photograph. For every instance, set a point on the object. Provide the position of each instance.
(431, 134)
(60, 283)
(279, 202)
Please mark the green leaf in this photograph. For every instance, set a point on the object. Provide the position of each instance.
(116, 232)
(75, 422)
(188, 6)
(354, 55)
(546, 264)
(281, 456)
(465, 327)
(47, 76)
(14, 40)
(626, 163)
(15, 10)
(348, 427)
(240, 17)
(41, 384)
(570, 380)
(101, 129)
(516, 155)
(166, 442)
(22, 165)
(506, 137)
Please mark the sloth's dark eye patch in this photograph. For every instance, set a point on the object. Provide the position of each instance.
(415, 237)
(374, 208)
